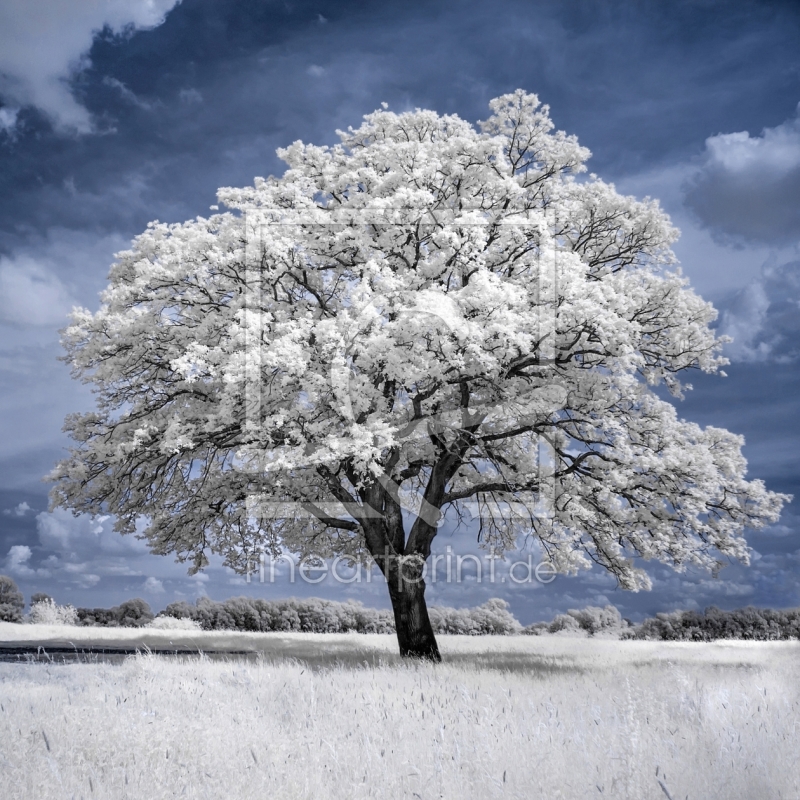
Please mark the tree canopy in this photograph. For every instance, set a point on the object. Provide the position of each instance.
(12, 601)
(426, 317)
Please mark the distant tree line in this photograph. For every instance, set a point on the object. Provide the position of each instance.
(757, 624)
(314, 615)
(309, 615)
(134, 613)
(589, 621)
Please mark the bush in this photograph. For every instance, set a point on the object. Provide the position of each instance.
(12, 600)
(97, 617)
(46, 612)
(536, 629)
(566, 624)
(589, 621)
(173, 624)
(134, 613)
(594, 619)
(493, 617)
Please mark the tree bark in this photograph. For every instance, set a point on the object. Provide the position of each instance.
(414, 630)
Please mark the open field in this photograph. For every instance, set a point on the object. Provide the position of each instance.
(336, 716)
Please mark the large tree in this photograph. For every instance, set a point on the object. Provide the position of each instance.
(423, 317)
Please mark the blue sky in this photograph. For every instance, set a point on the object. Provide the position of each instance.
(118, 113)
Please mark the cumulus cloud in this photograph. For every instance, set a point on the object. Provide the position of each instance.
(84, 553)
(747, 187)
(31, 293)
(153, 586)
(43, 280)
(17, 563)
(42, 43)
(17, 560)
(763, 318)
(78, 540)
(20, 510)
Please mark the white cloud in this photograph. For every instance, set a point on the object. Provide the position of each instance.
(42, 43)
(777, 150)
(17, 561)
(81, 551)
(153, 586)
(87, 580)
(83, 539)
(742, 320)
(747, 187)
(40, 283)
(18, 511)
(714, 267)
(31, 293)
(763, 318)
(8, 119)
(126, 93)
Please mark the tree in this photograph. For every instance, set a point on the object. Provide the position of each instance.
(134, 613)
(427, 317)
(12, 601)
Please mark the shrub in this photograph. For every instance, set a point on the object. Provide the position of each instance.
(566, 624)
(47, 612)
(493, 617)
(536, 629)
(594, 619)
(97, 617)
(588, 621)
(162, 623)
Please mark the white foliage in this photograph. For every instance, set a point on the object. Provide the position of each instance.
(409, 315)
(47, 612)
(173, 624)
(588, 621)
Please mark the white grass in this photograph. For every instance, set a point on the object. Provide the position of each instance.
(505, 717)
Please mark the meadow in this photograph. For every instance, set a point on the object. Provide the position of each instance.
(338, 716)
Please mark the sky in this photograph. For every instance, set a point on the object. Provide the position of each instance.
(118, 112)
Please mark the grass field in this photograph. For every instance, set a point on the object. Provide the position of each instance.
(327, 716)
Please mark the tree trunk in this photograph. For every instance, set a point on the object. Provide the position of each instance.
(413, 626)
